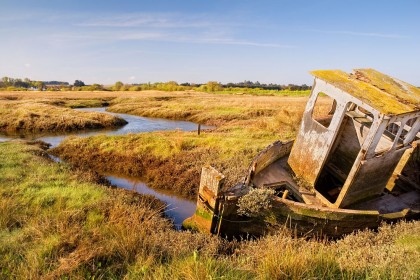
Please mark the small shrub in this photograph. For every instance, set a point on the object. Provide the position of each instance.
(255, 202)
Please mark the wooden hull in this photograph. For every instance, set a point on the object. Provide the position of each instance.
(217, 212)
(305, 220)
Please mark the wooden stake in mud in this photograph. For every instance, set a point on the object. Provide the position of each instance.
(199, 129)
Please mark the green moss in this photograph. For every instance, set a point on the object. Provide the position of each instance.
(190, 224)
(204, 214)
(383, 94)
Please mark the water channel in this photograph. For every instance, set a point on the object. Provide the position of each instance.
(178, 208)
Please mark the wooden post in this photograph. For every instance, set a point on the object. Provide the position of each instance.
(199, 129)
(284, 196)
(208, 207)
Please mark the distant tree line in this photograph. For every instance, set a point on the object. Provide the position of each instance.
(12, 84)
(7, 83)
(249, 84)
(56, 83)
(211, 86)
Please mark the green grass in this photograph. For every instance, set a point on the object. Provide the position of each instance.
(57, 222)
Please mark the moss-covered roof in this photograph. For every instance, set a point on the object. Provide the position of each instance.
(382, 92)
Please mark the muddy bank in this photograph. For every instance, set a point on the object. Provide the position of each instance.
(158, 158)
(33, 117)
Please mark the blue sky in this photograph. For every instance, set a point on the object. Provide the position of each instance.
(198, 41)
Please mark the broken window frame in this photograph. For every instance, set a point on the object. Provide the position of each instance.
(330, 114)
(397, 141)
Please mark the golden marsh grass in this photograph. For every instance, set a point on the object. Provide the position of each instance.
(57, 222)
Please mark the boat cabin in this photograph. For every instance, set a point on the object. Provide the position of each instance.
(350, 154)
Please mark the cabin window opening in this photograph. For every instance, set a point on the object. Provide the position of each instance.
(362, 120)
(330, 183)
(364, 112)
(359, 114)
(324, 109)
(393, 128)
(391, 135)
(352, 133)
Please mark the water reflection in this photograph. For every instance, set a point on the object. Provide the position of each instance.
(177, 208)
(135, 125)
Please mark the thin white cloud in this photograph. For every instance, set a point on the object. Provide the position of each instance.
(17, 17)
(168, 36)
(140, 36)
(153, 27)
(71, 39)
(364, 34)
(243, 43)
(154, 20)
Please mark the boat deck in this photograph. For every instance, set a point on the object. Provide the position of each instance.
(278, 172)
(388, 203)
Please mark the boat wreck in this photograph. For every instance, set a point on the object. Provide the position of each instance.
(350, 169)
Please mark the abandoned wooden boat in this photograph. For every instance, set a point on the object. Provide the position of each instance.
(350, 170)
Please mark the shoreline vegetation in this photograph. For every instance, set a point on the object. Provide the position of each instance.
(57, 221)
(164, 160)
(172, 160)
(30, 116)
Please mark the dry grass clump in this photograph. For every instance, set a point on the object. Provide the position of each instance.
(29, 117)
(281, 257)
(391, 253)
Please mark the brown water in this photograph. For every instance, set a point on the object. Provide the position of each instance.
(178, 208)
